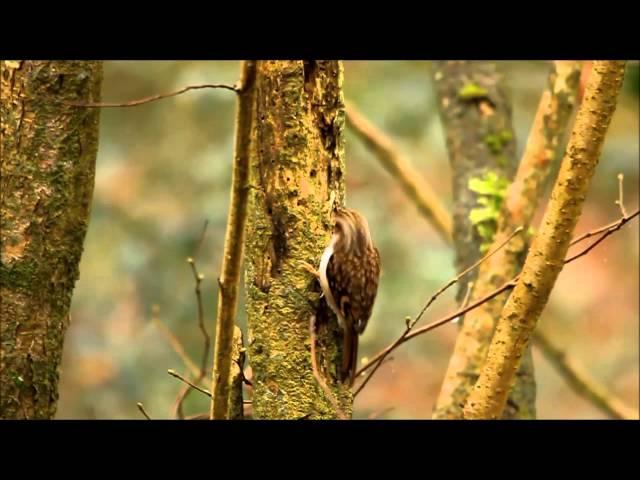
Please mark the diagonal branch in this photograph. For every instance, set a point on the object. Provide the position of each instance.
(173, 341)
(411, 324)
(143, 411)
(494, 293)
(190, 384)
(411, 181)
(581, 382)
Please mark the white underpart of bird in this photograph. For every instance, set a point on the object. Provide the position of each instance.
(324, 282)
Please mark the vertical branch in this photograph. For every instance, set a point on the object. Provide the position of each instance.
(547, 253)
(297, 167)
(229, 281)
(545, 139)
(47, 172)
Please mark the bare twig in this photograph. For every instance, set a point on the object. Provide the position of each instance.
(620, 200)
(464, 272)
(173, 341)
(153, 98)
(177, 410)
(412, 324)
(198, 277)
(465, 300)
(461, 311)
(198, 416)
(202, 237)
(175, 374)
(591, 233)
(316, 373)
(143, 411)
(615, 227)
(582, 383)
(245, 380)
(611, 228)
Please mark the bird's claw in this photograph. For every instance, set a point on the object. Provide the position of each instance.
(310, 268)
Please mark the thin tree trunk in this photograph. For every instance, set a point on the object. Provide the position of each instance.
(297, 166)
(229, 281)
(476, 114)
(48, 162)
(547, 253)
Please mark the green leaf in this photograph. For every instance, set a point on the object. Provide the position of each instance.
(486, 230)
(481, 186)
(472, 91)
(490, 184)
(478, 215)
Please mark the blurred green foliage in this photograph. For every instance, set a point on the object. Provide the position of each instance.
(164, 168)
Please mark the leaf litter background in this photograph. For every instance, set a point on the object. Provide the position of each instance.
(165, 167)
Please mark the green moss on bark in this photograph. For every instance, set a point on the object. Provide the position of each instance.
(48, 163)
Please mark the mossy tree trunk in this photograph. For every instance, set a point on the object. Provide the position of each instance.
(48, 162)
(297, 167)
(476, 115)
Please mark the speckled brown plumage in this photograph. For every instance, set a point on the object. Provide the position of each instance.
(352, 274)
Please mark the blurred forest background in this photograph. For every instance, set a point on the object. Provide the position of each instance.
(164, 168)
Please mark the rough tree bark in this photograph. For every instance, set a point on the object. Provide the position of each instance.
(47, 164)
(547, 253)
(543, 147)
(297, 165)
(476, 115)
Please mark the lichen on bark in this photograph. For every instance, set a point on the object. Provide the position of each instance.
(297, 166)
(47, 175)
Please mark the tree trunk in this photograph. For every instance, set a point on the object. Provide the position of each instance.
(297, 166)
(48, 162)
(476, 115)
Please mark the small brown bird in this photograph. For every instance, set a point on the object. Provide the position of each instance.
(349, 274)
